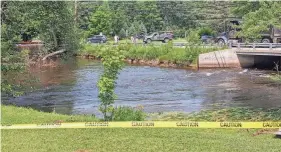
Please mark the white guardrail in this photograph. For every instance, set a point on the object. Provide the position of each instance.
(256, 45)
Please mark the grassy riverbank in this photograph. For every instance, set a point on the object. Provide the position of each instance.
(122, 139)
(230, 114)
(276, 78)
(163, 53)
(20, 115)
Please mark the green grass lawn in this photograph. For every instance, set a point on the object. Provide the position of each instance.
(119, 139)
(123, 139)
(20, 115)
(276, 78)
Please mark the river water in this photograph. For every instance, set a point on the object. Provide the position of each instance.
(71, 89)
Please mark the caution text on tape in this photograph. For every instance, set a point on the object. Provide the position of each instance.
(151, 124)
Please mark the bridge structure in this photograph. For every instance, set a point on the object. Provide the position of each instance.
(244, 55)
(264, 49)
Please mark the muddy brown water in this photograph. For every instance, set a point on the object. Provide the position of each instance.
(71, 88)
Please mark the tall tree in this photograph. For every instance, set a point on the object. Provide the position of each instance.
(261, 19)
(118, 20)
(132, 30)
(149, 14)
(85, 10)
(241, 8)
(122, 33)
(52, 22)
(101, 20)
(213, 14)
(143, 28)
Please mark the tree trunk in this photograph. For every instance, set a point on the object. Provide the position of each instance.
(52, 54)
(55, 38)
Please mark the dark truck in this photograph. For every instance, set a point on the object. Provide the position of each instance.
(165, 37)
(273, 35)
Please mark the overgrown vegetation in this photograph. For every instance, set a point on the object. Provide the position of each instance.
(229, 114)
(12, 63)
(128, 114)
(277, 77)
(151, 52)
(127, 18)
(258, 17)
(112, 60)
(21, 115)
(50, 22)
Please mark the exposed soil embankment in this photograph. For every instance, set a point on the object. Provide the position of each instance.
(37, 61)
(153, 62)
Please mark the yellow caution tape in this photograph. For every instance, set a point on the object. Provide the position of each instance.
(146, 124)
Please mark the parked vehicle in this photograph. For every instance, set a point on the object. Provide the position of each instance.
(207, 38)
(229, 34)
(165, 37)
(97, 39)
(273, 35)
(140, 36)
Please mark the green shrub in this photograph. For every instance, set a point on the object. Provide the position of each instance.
(193, 37)
(90, 49)
(228, 114)
(192, 52)
(122, 33)
(151, 52)
(205, 31)
(112, 61)
(177, 55)
(128, 114)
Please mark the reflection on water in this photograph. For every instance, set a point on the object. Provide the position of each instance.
(71, 89)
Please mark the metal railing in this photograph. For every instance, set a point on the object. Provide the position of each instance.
(256, 45)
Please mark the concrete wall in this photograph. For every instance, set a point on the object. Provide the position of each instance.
(246, 61)
(224, 59)
(229, 59)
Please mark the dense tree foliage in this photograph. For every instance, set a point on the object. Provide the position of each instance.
(101, 20)
(51, 22)
(258, 17)
(149, 16)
